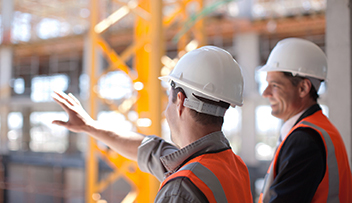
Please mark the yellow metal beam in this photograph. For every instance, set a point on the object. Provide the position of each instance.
(114, 58)
(112, 19)
(137, 44)
(91, 161)
(148, 66)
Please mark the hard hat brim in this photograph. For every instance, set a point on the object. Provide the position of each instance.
(164, 78)
(270, 68)
(168, 78)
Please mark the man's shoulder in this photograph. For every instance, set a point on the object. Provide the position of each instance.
(301, 143)
(305, 138)
(180, 189)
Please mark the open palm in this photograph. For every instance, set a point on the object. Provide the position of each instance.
(78, 117)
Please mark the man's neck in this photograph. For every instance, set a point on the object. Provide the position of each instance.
(192, 131)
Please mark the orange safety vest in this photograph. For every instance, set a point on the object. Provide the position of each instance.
(336, 185)
(222, 177)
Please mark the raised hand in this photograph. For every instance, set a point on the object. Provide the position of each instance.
(79, 120)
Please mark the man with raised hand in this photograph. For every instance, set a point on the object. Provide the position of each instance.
(202, 166)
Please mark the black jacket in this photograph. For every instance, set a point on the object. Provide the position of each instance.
(301, 165)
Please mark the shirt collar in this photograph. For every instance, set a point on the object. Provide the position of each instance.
(287, 126)
(212, 142)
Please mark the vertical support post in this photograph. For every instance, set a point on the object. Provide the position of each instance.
(157, 50)
(7, 8)
(148, 66)
(247, 54)
(338, 50)
(91, 161)
(154, 86)
(5, 71)
(6, 53)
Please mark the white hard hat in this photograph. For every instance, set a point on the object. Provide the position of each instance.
(299, 57)
(209, 72)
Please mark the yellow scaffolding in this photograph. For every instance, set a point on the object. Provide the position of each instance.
(148, 49)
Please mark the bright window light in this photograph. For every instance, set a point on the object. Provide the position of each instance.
(267, 128)
(144, 122)
(48, 28)
(15, 120)
(264, 151)
(138, 86)
(232, 127)
(265, 122)
(325, 110)
(322, 88)
(21, 27)
(260, 78)
(114, 121)
(165, 130)
(18, 86)
(43, 86)
(46, 137)
(115, 85)
(15, 123)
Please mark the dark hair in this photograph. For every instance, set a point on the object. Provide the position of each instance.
(295, 80)
(202, 118)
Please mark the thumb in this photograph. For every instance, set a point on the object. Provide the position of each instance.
(60, 123)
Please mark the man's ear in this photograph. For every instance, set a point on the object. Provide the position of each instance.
(179, 102)
(304, 87)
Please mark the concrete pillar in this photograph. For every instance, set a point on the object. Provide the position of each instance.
(26, 128)
(5, 71)
(7, 8)
(245, 8)
(99, 63)
(339, 83)
(247, 55)
(4, 102)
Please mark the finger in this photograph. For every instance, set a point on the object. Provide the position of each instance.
(64, 96)
(63, 103)
(60, 93)
(60, 123)
(60, 99)
(74, 98)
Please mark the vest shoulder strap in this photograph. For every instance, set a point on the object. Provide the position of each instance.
(203, 178)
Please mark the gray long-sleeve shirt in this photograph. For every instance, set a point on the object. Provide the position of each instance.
(160, 158)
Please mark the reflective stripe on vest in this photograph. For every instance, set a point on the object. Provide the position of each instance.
(209, 178)
(333, 195)
(220, 176)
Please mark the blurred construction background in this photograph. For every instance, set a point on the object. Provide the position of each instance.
(109, 54)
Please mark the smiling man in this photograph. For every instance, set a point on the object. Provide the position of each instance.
(310, 163)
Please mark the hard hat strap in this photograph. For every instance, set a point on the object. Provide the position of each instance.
(206, 108)
(315, 82)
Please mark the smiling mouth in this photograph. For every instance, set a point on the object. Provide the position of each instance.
(273, 104)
